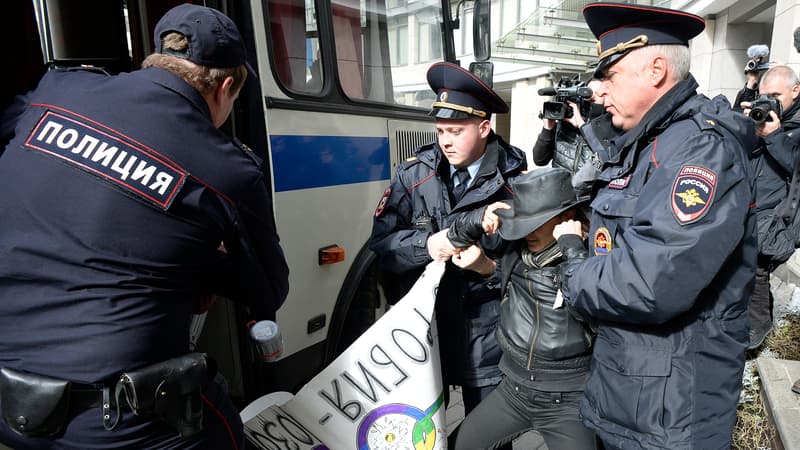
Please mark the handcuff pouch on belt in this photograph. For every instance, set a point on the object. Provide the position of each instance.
(34, 405)
(171, 390)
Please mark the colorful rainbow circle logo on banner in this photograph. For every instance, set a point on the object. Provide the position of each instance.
(397, 426)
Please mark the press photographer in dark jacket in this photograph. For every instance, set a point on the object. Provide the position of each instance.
(561, 141)
(772, 162)
(753, 70)
(546, 350)
(577, 143)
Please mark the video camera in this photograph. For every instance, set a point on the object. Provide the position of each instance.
(758, 58)
(567, 90)
(760, 108)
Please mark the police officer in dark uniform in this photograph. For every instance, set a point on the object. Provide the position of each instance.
(673, 234)
(466, 169)
(123, 206)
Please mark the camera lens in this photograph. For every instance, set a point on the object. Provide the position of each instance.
(751, 65)
(758, 115)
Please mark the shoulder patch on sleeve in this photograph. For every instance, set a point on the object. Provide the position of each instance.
(384, 199)
(692, 193)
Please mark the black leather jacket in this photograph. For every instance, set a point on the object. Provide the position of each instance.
(564, 145)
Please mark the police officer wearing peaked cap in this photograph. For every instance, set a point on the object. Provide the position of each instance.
(123, 207)
(620, 28)
(673, 239)
(460, 94)
(465, 169)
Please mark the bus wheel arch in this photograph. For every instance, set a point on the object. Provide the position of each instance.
(357, 305)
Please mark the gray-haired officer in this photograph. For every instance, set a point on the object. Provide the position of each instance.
(673, 231)
(116, 193)
(465, 169)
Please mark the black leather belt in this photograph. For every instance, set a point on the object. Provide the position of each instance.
(87, 396)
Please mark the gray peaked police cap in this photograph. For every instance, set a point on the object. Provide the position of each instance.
(214, 40)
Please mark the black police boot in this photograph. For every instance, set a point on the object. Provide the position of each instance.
(760, 309)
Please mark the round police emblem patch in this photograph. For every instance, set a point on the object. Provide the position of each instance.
(602, 241)
(692, 193)
(443, 96)
(382, 203)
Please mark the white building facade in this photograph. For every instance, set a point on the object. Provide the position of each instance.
(537, 42)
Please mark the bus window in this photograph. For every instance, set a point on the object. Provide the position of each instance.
(384, 47)
(295, 44)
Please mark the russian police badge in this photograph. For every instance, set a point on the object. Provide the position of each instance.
(602, 242)
(382, 203)
(692, 193)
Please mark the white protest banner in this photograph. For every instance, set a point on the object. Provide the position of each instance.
(384, 392)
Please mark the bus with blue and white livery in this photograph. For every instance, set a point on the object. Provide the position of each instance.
(340, 99)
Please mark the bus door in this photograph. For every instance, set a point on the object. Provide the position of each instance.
(345, 95)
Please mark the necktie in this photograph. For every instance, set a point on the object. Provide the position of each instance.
(462, 175)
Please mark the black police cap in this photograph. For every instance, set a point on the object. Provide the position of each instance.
(460, 94)
(621, 28)
(214, 40)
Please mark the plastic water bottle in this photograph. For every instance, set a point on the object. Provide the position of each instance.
(267, 339)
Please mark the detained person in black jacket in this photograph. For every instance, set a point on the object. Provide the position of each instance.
(772, 162)
(546, 350)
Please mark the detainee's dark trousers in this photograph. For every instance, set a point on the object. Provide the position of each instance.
(512, 409)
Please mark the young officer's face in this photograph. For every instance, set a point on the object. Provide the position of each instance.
(463, 141)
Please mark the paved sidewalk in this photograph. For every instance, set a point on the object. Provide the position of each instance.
(455, 414)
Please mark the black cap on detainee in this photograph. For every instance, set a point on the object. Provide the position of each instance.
(620, 28)
(460, 94)
(214, 40)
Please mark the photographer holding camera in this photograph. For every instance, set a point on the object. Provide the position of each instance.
(776, 113)
(561, 140)
(753, 69)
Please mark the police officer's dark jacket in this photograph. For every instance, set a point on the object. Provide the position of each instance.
(116, 193)
(673, 232)
(773, 164)
(416, 205)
